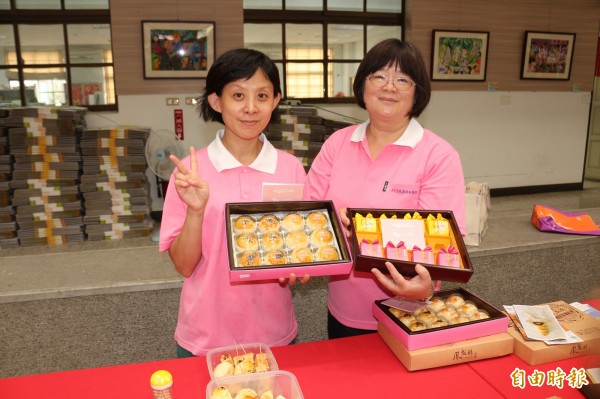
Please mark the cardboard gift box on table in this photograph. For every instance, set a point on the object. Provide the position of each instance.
(475, 337)
(435, 232)
(495, 323)
(581, 324)
(445, 355)
(269, 240)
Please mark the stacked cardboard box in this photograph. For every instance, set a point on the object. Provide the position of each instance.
(8, 225)
(301, 132)
(44, 142)
(114, 186)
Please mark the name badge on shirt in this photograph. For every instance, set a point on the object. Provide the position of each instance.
(282, 192)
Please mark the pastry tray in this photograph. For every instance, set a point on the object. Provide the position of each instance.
(261, 269)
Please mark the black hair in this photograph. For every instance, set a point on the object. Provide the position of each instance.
(408, 58)
(234, 65)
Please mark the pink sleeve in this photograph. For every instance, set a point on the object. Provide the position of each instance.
(317, 181)
(444, 186)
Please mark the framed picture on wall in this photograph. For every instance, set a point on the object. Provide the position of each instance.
(547, 55)
(177, 49)
(459, 55)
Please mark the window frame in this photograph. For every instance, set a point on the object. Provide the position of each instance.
(63, 17)
(324, 18)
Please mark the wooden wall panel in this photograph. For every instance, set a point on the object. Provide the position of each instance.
(126, 17)
(507, 22)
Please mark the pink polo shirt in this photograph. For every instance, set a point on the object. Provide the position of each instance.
(214, 312)
(419, 171)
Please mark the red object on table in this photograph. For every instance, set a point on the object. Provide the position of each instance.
(356, 367)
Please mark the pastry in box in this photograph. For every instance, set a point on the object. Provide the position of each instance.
(271, 384)
(269, 240)
(451, 316)
(424, 233)
(240, 359)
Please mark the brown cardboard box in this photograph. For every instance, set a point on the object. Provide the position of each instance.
(584, 326)
(449, 354)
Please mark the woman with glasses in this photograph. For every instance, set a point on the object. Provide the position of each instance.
(388, 162)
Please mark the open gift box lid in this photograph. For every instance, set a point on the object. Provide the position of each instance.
(341, 262)
(365, 263)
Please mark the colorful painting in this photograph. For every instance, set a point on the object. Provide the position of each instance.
(547, 55)
(459, 56)
(177, 49)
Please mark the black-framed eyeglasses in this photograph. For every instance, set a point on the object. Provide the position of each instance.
(399, 83)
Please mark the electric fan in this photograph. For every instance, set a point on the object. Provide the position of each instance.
(161, 143)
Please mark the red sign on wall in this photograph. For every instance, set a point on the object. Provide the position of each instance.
(179, 123)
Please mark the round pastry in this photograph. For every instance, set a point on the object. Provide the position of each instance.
(301, 255)
(221, 393)
(426, 317)
(321, 237)
(446, 314)
(226, 357)
(296, 239)
(454, 301)
(396, 312)
(244, 224)
(436, 304)
(438, 323)
(327, 252)
(246, 393)
(458, 320)
(272, 240)
(293, 222)
(267, 395)
(467, 309)
(316, 220)
(248, 258)
(417, 326)
(268, 223)
(407, 319)
(222, 369)
(480, 315)
(275, 257)
(247, 242)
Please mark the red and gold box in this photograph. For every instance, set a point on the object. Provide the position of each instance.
(434, 239)
(269, 240)
(470, 326)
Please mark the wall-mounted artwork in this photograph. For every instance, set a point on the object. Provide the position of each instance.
(177, 49)
(547, 55)
(459, 56)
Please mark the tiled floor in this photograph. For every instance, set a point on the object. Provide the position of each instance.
(136, 264)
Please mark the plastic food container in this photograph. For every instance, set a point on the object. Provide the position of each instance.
(213, 357)
(278, 382)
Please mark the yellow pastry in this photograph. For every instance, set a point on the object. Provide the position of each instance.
(268, 223)
(321, 237)
(316, 220)
(293, 222)
(244, 224)
(296, 239)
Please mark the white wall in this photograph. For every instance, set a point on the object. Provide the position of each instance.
(509, 139)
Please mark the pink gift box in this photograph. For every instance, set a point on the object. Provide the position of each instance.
(371, 248)
(424, 255)
(448, 257)
(497, 323)
(396, 251)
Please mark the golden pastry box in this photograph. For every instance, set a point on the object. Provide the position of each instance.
(406, 238)
(478, 319)
(581, 324)
(269, 240)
